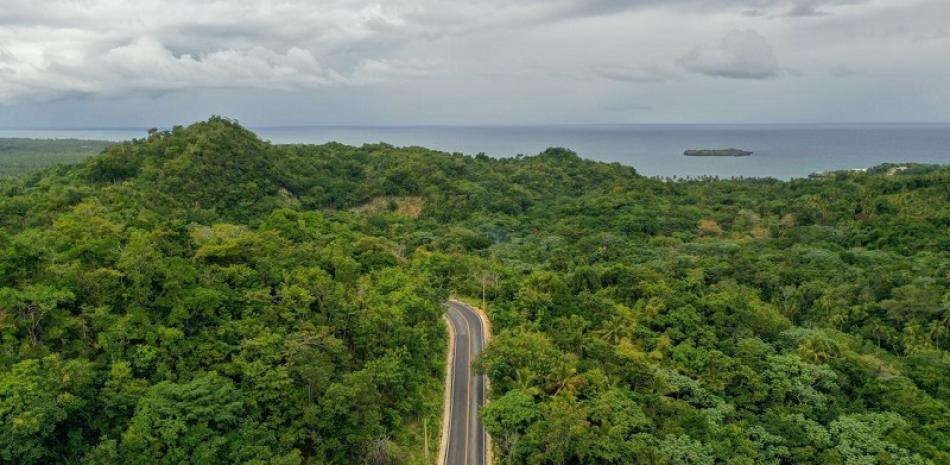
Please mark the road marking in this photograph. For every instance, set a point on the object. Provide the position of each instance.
(468, 383)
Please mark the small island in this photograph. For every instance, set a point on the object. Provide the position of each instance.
(717, 153)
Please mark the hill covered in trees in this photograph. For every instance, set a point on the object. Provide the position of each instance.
(202, 296)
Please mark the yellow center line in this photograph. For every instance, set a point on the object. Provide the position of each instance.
(458, 310)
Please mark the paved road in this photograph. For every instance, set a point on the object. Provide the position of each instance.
(467, 440)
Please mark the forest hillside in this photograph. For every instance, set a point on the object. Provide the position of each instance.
(203, 296)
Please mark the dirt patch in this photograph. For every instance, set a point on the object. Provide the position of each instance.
(405, 206)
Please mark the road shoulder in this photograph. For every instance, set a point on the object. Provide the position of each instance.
(447, 396)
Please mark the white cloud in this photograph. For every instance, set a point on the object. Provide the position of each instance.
(744, 54)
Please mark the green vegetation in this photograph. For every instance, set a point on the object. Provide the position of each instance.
(201, 296)
(20, 156)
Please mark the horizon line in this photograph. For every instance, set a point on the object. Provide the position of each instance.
(477, 125)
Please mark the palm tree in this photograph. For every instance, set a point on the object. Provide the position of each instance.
(818, 348)
(937, 330)
(877, 329)
(620, 326)
(914, 339)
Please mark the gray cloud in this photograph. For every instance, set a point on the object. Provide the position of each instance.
(465, 61)
(811, 8)
(147, 65)
(740, 54)
(63, 48)
(843, 71)
(384, 70)
(628, 108)
(789, 8)
(637, 74)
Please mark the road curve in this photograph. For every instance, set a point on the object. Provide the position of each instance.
(467, 442)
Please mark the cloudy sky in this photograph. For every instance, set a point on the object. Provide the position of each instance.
(115, 63)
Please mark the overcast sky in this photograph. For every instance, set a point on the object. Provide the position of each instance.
(113, 63)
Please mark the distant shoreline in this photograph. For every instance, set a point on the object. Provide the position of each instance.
(782, 152)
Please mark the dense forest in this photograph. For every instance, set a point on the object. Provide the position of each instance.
(202, 296)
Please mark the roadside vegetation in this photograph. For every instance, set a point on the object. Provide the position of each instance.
(201, 296)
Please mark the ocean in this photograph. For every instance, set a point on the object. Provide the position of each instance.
(781, 151)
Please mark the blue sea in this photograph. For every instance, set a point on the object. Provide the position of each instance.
(781, 151)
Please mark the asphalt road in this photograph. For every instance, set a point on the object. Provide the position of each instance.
(467, 440)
